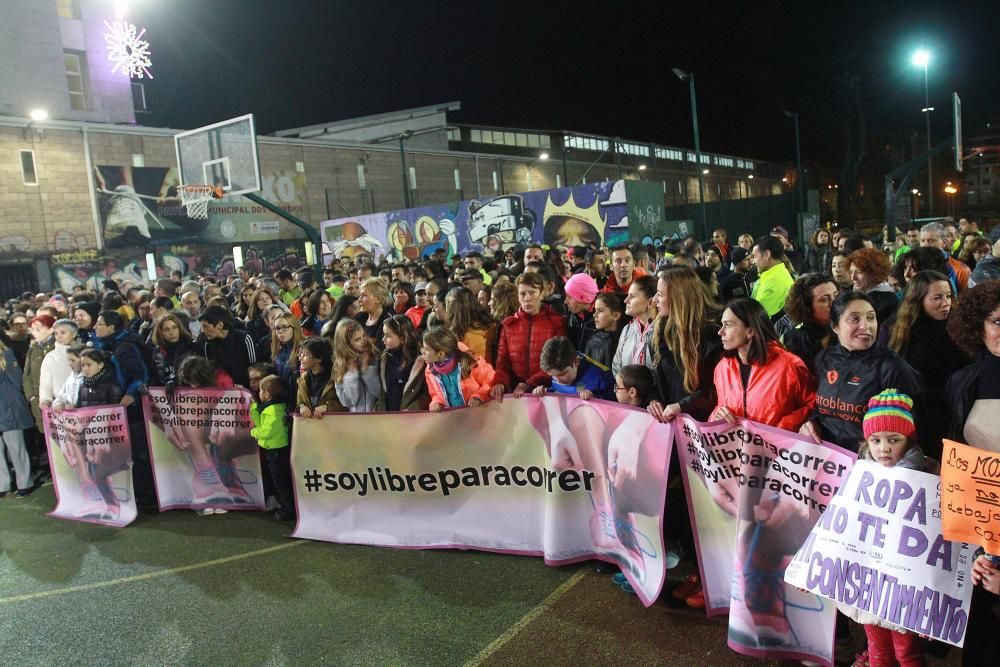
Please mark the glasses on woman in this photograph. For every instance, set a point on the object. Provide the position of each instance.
(283, 327)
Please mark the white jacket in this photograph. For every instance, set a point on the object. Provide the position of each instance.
(69, 394)
(55, 370)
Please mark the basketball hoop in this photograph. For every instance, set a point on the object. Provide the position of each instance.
(196, 198)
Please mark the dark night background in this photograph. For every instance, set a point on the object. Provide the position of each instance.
(586, 66)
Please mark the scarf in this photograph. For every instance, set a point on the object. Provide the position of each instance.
(450, 374)
(102, 376)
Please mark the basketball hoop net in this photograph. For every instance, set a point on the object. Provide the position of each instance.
(196, 198)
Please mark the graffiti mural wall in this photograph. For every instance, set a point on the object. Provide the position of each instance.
(602, 213)
(139, 206)
(89, 267)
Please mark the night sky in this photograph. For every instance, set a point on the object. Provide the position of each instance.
(583, 66)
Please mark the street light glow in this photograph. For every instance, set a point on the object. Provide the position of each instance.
(543, 156)
(921, 57)
(642, 167)
(38, 115)
(704, 171)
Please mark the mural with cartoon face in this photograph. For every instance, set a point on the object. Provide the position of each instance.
(595, 213)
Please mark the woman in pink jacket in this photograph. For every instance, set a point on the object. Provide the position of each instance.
(455, 377)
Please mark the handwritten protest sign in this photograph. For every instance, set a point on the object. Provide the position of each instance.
(754, 493)
(970, 495)
(90, 455)
(879, 549)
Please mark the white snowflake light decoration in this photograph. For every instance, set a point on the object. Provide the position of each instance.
(127, 48)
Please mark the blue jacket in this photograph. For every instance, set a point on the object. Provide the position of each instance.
(592, 376)
(126, 356)
(14, 412)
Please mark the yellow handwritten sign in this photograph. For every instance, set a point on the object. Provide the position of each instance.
(970, 495)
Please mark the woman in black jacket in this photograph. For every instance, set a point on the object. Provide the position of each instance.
(686, 346)
(100, 387)
(973, 399)
(808, 307)
(918, 333)
(852, 370)
(173, 344)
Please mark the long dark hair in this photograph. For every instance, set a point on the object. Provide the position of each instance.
(911, 308)
(753, 316)
(401, 326)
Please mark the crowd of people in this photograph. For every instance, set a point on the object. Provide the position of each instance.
(800, 338)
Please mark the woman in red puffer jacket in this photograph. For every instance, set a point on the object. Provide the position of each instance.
(521, 339)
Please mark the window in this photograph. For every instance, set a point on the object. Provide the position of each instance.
(509, 139)
(362, 179)
(522, 139)
(413, 178)
(476, 136)
(139, 97)
(74, 80)
(533, 141)
(546, 141)
(669, 154)
(68, 9)
(454, 134)
(633, 149)
(28, 174)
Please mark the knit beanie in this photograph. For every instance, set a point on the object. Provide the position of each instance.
(92, 308)
(582, 288)
(889, 411)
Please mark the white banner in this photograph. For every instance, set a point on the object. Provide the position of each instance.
(556, 477)
(202, 453)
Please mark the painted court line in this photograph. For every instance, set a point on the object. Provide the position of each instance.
(542, 607)
(148, 575)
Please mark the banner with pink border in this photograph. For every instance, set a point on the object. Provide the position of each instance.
(90, 456)
(201, 449)
(557, 477)
(754, 493)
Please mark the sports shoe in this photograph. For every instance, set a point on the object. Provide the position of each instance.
(208, 487)
(687, 587)
(127, 210)
(205, 511)
(696, 600)
(602, 529)
(23, 493)
(94, 506)
(219, 510)
(272, 504)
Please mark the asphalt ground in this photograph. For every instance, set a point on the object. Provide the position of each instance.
(179, 589)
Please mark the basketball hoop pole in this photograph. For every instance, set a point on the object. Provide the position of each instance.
(311, 233)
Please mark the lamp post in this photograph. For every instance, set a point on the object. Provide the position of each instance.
(689, 77)
(921, 58)
(403, 136)
(798, 160)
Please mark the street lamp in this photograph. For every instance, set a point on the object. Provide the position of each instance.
(951, 191)
(921, 58)
(689, 77)
(798, 159)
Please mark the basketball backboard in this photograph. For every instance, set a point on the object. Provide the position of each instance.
(222, 154)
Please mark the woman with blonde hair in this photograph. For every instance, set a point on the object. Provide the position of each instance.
(355, 367)
(470, 323)
(286, 340)
(686, 346)
(503, 301)
(373, 309)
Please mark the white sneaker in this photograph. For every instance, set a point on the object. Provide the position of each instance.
(206, 511)
(219, 510)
